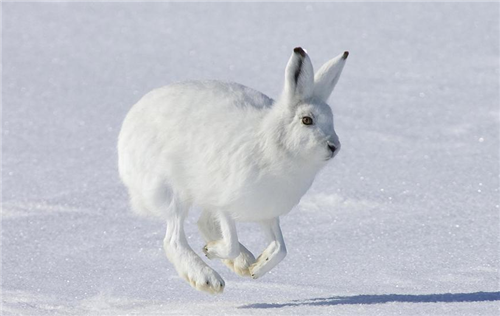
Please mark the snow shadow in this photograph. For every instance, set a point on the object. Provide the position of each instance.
(385, 298)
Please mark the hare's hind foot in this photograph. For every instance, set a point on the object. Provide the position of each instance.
(241, 264)
(206, 280)
(198, 274)
(188, 264)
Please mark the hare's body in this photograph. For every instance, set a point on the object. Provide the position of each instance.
(233, 152)
(172, 143)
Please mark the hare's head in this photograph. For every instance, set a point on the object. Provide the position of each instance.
(306, 121)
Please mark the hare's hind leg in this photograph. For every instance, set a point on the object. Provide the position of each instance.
(186, 261)
(219, 232)
(274, 253)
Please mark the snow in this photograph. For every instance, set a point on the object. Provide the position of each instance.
(404, 221)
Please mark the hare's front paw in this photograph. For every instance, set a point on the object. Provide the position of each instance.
(273, 255)
(221, 250)
(241, 264)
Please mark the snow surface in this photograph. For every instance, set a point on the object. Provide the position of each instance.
(405, 221)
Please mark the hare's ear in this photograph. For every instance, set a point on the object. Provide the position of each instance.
(299, 77)
(327, 77)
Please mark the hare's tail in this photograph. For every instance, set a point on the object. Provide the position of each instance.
(149, 194)
(150, 198)
(137, 204)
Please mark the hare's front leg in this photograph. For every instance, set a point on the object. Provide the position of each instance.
(274, 253)
(211, 227)
(227, 245)
(187, 263)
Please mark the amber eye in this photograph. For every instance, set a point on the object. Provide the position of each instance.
(306, 120)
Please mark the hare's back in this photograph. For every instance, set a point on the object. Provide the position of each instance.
(189, 132)
(203, 112)
(208, 96)
(207, 108)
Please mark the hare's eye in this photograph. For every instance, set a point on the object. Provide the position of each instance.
(306, 120)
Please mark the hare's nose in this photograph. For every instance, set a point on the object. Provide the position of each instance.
(332, 147)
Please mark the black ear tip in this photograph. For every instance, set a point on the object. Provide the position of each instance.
(299, 51)
(346, 53)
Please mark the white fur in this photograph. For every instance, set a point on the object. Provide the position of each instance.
(235, 153)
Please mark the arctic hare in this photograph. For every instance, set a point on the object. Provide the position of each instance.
(233, 152)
